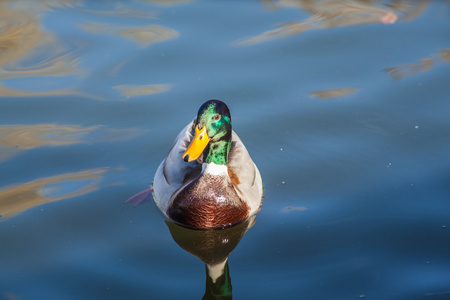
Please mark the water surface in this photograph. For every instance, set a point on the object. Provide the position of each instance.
(343, 106)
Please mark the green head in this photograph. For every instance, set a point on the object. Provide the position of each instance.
(212, 134)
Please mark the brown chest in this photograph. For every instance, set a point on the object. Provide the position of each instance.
(208, 202)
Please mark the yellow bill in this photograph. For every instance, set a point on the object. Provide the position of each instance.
(198, 144)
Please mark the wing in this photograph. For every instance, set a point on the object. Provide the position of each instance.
(174, 172)
(244, 174)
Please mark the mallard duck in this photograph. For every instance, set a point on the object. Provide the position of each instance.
(208, 179)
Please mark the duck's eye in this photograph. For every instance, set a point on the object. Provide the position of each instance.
(217, 117)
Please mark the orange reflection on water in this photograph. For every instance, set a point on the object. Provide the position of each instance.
(333, 93)
(121, 10)
(166, 2)
(32, 136)
(332, 13)
(10, 296)
(15, 199)
(14, 138)
(144, 35)
(139, 90)
(148, 35)
(423, 65)
(29, 51)
(289, 209)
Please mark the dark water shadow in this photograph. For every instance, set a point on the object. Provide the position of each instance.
(213, 247)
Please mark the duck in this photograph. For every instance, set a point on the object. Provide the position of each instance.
(208, 179)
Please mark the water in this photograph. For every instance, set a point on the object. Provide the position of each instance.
(346, 118)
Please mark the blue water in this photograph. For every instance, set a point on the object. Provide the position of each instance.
(356, 179)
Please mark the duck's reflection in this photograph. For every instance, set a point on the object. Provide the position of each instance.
(213, 248)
